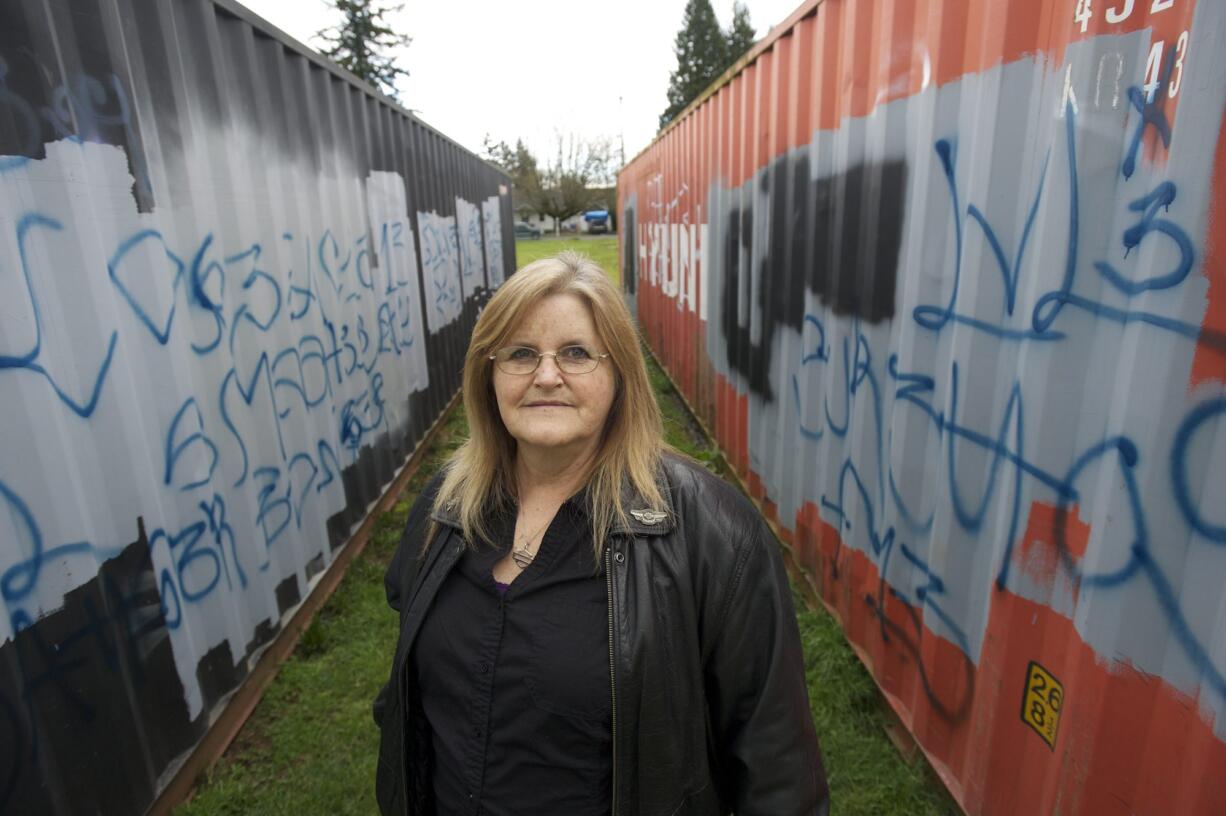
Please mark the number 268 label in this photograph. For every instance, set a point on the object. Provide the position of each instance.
(1041, 702)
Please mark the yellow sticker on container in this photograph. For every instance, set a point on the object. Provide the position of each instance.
(1041, 703)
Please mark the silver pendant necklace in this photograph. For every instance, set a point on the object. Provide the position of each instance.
(522, 556)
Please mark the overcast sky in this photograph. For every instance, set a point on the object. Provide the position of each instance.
(530, 70)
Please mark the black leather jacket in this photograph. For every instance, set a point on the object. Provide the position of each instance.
(710, 710)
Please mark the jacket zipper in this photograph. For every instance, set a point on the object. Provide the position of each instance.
(608, 571)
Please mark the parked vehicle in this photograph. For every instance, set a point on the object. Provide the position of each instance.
(523, 230)
(597, 221)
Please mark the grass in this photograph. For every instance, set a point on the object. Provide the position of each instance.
(310, 746)
(602, 249)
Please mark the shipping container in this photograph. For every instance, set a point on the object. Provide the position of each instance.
(946, 279)
(236, 287)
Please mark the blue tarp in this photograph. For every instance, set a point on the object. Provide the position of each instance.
(595, 215)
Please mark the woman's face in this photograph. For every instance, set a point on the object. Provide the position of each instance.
(550, 411)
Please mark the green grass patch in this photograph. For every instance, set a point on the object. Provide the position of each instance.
(310, 746)
(867, 775)
(602, 249)
(679, 429)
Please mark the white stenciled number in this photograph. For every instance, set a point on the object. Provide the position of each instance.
(1161, 5)
(1116, 16)
(1181, 51)
(1082, 14)
(1153, 70)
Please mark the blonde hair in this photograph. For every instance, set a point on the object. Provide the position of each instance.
(481, 475)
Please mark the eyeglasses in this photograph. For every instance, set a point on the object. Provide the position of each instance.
(523, 360)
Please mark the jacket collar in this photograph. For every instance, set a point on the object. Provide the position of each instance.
(645, 519)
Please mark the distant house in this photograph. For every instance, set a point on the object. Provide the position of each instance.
(546, 223)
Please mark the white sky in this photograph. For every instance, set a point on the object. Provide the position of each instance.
(532, 70)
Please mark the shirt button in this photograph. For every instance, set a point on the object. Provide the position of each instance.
(483, 668)
(476, 732)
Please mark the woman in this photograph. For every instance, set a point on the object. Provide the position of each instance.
(588, 624)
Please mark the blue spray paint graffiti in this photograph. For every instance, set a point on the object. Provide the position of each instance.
(861, 505)
(247, 298)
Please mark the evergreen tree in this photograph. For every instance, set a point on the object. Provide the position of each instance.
(702, 55)
(518, 163)
(358, 43)
(740, 33)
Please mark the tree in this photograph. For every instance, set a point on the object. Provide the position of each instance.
(577, 180)
(740, 33)
(567, 185)
(702, 55)
(358, 43)
(518, 163)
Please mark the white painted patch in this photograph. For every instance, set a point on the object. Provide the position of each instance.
(491, 217)
(468, 220)
(441, 266)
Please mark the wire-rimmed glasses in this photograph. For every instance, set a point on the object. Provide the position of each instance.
(521, 360)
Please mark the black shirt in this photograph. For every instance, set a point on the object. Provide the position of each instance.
(516, 687)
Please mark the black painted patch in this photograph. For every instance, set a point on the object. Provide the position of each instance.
(287, 594)
(72, 86)
(315, 566)
(91, 706)
(837, 237)
(264, 633)
(857, 233)
(360, 490)
(217, 673)
(630, 250)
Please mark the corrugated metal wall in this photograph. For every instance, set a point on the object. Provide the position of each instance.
(235, 290)
(947, 279)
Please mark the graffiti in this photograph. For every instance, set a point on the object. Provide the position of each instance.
(223, 324)
(81, 108)
(630, 248)
(675, 257)
(491, 218)
(175, 447)
(956, 366)
(72, 668)
(965, 346)
(470, 239)
(202, 554)
(820, 248)
(84, 402)
(78, 107)
(238, 296)
(293, 343)
(441, 270)
(1049, 306)
(19, 581)
(399, 316)
(1009, 473)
